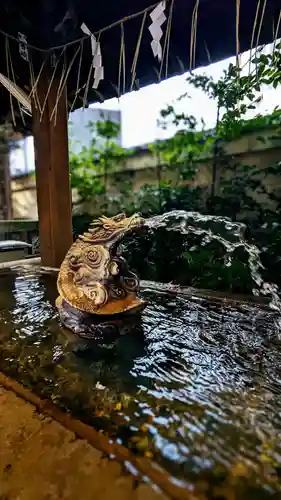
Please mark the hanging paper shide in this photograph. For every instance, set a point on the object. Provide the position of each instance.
(97, 58)
(157, 17)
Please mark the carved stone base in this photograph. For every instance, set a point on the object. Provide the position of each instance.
(90, 326)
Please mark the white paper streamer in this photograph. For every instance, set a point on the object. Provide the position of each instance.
(158, 17)
(97, 59)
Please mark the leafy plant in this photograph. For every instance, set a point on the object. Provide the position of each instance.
(89, 169)
(240, 191)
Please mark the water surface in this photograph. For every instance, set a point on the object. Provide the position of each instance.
(196, 385)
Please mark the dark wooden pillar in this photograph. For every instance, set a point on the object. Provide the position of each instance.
(5, 183)
(52, 175)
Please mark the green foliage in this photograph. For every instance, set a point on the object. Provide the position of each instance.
(242, 192)
(235, 95)
(90, 167)
(261, 122)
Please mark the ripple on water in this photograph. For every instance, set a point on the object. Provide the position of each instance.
(200, 390)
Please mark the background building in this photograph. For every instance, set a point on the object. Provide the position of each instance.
(80, 134)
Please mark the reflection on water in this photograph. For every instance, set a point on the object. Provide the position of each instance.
(198, 388)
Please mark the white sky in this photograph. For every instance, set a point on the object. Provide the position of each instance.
(140, 110)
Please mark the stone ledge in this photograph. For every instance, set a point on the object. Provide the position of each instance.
(41, 459)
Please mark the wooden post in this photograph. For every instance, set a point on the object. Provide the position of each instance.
(8, 190)
(52, 174)
(5, 184)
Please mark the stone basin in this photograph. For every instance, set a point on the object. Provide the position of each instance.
(197, 392)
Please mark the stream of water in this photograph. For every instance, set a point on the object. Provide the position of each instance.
(179, 237)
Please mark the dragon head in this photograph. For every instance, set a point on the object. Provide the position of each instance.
(109, 232)
(92, 277)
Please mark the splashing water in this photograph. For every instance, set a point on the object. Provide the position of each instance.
(231, 235)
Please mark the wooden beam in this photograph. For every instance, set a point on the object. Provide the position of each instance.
(52, 174)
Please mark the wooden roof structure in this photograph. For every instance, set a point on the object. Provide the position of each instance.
(63, 55)
(195, 33)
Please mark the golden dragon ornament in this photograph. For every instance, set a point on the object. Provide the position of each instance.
(97, 290)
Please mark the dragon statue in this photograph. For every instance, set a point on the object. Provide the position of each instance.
(97, 291)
